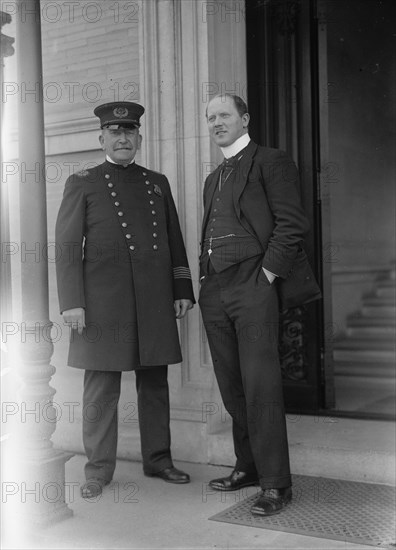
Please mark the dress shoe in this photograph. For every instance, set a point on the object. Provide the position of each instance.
(172, 475)
(236, 480)
(92, 488)
(271, 501)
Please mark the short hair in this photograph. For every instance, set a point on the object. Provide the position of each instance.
(239, 103)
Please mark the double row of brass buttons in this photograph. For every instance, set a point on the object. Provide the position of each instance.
(153, 212)
(120, 213)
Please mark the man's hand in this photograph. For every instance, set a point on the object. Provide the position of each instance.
(75, 318)
(181, 307)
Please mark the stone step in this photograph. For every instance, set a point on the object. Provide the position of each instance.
(385, 371)
(388, 311)
(374, 344)
(324, 446)
(386, 291)
(388, 282)
(372, 332)
(364, 356)
(372, 300)
(377, 322)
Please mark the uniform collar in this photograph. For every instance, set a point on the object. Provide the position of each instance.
(119, 163)
(234, 148)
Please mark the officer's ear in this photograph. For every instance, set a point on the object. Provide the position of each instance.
(140, 141)
(101, 141)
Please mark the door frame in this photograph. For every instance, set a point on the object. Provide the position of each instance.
(287, 107)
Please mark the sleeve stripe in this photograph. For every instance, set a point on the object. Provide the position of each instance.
(181, 273)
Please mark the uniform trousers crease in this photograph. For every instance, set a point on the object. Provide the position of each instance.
(100, 420)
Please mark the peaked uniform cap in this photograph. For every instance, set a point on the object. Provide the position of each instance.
(121, 113)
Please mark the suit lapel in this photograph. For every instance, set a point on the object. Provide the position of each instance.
(241, 175)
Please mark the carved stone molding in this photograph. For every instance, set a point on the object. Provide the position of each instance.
(292, 344)
(285, 13)
(39, 468)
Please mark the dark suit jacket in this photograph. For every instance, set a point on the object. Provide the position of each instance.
(267, 204)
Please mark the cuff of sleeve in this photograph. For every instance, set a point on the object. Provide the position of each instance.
(182, 289)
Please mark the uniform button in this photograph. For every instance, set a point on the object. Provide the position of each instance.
(214, 219)
(215, 210)
(113, 194)
(155, 247)
(124, 224)
(149, 192)
(155, 224)
(147, 182)
(151, 202)
(110, 185)
(155, 235)
(117, 203)
(128, 235)
(107, 176)
(132, 247)
(211, 229)
(217, 200)
(144, 173)
(153, 212)
(120, 213)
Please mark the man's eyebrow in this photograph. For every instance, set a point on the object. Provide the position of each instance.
(222, 113)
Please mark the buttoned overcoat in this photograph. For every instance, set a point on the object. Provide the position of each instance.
(121, 257)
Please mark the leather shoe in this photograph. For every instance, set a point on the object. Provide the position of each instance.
(236, 480)
(92, 488)
(271, 501)
(171, 475)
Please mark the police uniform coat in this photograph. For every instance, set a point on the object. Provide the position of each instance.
(121, 257)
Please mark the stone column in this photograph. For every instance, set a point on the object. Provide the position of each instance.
(39, 469)
(6, 50)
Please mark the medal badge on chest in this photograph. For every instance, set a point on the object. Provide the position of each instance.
(157, 190)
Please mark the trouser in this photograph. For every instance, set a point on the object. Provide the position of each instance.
(100, 420)
(240, 313)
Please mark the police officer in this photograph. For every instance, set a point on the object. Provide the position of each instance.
(123, 280)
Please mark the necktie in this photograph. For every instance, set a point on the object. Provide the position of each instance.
(227, 167)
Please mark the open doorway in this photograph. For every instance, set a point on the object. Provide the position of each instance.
(321, 78)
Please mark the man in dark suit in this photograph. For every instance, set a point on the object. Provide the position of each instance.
(252, 232)
(123, 280)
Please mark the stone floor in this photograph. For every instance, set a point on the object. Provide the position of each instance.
(137, 512)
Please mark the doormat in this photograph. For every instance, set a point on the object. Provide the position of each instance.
(334, 509)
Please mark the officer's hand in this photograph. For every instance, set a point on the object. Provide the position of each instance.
(181, 307)
(75, 318)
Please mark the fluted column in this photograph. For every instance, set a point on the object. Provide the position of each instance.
(39, 468)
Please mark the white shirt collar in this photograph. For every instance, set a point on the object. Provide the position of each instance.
(234, 148)
(112, 161)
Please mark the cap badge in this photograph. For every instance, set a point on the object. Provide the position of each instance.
(120, 112)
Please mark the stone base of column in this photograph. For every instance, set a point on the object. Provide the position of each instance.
(37, 492)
